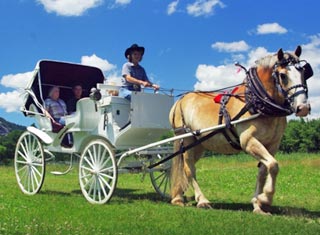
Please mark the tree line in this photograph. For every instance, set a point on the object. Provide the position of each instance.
(300, 136)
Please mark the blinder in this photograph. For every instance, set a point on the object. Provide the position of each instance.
(307, 70)
(303, 67)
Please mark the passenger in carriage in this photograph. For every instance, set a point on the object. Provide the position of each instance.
(55, 106)
(56, 110)
(133, 73)
(77, 95)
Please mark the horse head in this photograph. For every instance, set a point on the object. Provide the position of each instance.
(284, 77)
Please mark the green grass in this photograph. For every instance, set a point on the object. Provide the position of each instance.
(135, 208)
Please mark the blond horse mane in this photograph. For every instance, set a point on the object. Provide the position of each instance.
(270, 60)
(267, 61)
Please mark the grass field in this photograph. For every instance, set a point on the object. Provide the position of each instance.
(135, 208)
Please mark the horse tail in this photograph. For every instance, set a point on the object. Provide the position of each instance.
(179, 181)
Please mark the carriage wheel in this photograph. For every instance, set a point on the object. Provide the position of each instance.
(97, 172)
(160, 178)
(29, 163)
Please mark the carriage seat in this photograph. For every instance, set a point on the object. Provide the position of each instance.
(86, 117)
(42, 121)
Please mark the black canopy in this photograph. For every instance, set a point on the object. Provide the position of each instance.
(64, 75)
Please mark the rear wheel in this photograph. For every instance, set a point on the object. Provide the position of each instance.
(97, 172)
(160, 177)
(29, 163)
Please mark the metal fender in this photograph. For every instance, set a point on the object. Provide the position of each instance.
(42, 135)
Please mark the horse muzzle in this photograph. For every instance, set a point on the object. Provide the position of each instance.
(303, 110)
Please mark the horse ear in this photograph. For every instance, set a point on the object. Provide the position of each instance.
(280, 54)
(298, 51)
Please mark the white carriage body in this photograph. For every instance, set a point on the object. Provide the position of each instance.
(122, 123)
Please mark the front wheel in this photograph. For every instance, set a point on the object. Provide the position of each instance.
(97, 172)
(29, 163)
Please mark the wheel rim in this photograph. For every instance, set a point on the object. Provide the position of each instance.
(29, 163)
(97, 172)
(160, 178)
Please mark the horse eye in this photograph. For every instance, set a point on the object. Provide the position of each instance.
(284, 78)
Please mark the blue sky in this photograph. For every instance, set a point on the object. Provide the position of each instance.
(190, 44)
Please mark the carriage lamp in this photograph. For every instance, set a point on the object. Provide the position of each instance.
(95, 94)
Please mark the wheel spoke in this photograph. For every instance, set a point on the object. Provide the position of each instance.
(22, 155)
(22, 162)
(166, 184)
(24, 150)
(32, 177)
(36, 171)
(101, 180)
(161, 181)
(101, 159)
(159, 176)
(108, 169)
(106, 183)
(91, 158)
(105, 162)
(89, 163)
(88, 181)
(22, 168)
(86, 168)
(107, 176)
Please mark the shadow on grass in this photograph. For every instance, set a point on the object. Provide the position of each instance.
(132, 195)
(275, 210)
(122, 195)
(53, 192)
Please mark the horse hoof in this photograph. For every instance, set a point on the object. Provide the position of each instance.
(261, 212)
(204, 205)
(178, 202)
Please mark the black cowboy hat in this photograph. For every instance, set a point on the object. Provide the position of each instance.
(134, 47)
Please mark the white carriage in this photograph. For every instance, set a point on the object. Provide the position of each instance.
(105, 131)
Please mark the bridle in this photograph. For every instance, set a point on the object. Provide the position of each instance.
(303, 67)
(259, 101)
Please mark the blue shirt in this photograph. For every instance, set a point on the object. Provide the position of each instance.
(137, 72)
(56, 108)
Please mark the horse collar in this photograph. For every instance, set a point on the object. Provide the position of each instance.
(260, 101)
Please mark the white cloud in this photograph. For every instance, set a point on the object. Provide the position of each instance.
(11, 101)
(231, 46)
(203, 7)
(98, 62)
(122, 2)
(256, 54)
(70, 7)
(271, 28)
(172, 7)
(19, 80)
(216, 77)
(315, 106)
(114, 79)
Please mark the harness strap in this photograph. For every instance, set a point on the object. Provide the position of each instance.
(223, 113)
(183, 148)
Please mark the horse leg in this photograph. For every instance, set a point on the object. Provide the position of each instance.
(192, 157)
(179, 182)
(267, 175)
(261, 180)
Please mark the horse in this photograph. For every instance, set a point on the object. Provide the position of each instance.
(274, 88)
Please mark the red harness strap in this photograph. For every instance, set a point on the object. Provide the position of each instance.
(217, 98)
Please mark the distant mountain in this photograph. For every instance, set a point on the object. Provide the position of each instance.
(6, 127)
